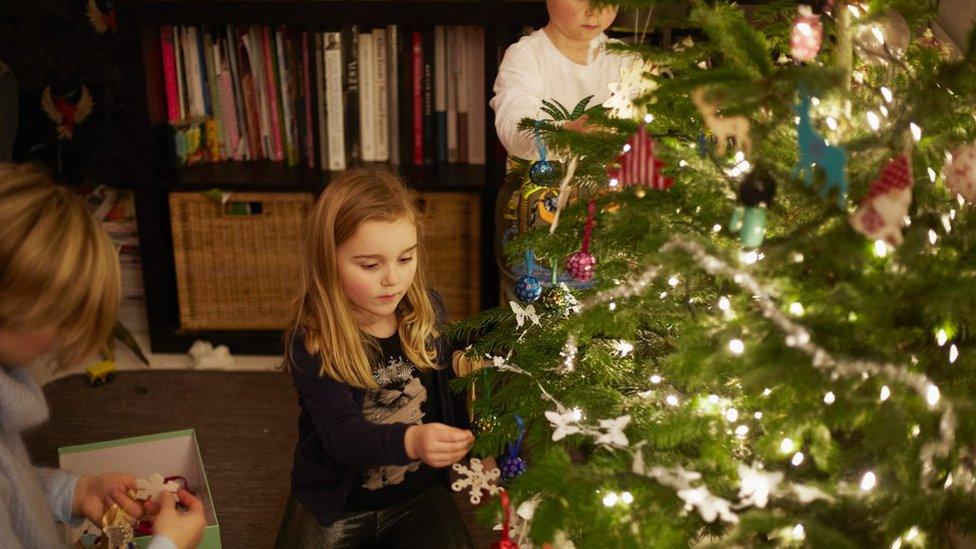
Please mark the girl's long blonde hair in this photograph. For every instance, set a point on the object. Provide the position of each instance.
(58, 268)
(323, 314)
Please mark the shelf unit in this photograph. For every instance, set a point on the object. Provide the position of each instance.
(138, 23)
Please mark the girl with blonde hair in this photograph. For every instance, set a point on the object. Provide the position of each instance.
(59, 290)
(366, 352)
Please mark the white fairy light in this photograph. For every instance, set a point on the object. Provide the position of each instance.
(671, 400)
(933, 238)
(757, 415)
(932, 174)
(724, 303)
(831, 123)
(868, 481)
(713, 399)
(767, 391)
(614, 182)
(948, 481)
(887, 94)
(787, 445)
(717, 228)
(682, 163)
(648, 118)
(873, 120)
(885, 393)
(663, 295)
(610, 499)
(880, 248)
(797, 257)
(799, 533)
(916, 131)
(577, 414)
(953, 353)
(741, 431)
(916, 430)
(656, 379)
(884, 110)
(941, 337)
(829, 398)
(673, 281)
(912, 534)
(732, 415)
(626, 147)
(796, 308)
(896, 544)
(737, 346)
(624, 347)
(854, 10)
(878, 35)
(627, 498)
(749, 257)
(797, 459)
(932, 394)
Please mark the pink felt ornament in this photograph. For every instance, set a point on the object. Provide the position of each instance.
(806, 35)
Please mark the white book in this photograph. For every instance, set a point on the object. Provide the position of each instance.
(476, 92)
(191, 61)
(320, 104)
(381, 127)
(367, 98)
(335, 114)
(393, 93)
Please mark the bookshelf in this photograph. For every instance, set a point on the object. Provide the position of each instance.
(459, 189)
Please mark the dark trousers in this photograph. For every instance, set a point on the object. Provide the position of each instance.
(429, 520)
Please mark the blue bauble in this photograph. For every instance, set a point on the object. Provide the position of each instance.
(544, 173)
(511, 467)
(528, 288)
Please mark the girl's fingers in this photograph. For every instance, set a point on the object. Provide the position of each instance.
(126, 503)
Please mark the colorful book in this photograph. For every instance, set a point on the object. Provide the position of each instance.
(308, 100)
(180, 72)
(274, 103)
(286, 93)
(231, 50)
(169, 73)
(320, 105)
(417, 89)
(440, 93)
(256, 53)
(228, 114)
(429, 144)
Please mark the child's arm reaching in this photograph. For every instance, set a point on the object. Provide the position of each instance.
(518, 95)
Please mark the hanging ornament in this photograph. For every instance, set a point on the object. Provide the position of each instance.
(816, 153)
(633, 84)
(485, 424)
(476, 480)
(511, 463)
(724, 127)
(882, 212)
(506, 542)
(756, 193)
(884, 39)
(637, 165)
(960, 172)
(542, 172)
(528, 288)
(806, 35)
(557, 299)
(581, 264)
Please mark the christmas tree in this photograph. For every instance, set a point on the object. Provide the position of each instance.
(770, 336)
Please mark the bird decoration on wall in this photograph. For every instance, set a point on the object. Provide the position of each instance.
(102, 20)
(68, 110)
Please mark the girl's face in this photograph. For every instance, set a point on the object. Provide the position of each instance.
(376, 267)
(23, 347)
(576, 20)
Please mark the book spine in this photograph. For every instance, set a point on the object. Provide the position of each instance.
(213, 91)
(286, 91)
(440, 93)
(261, 87)
(225, 87)
(393, 92)
(417, 77)
(350, 52)
(308, 101)
(274, 106)
(249, 94)
(429, 96)
(405, 99)
(367, 98)
(381, 106)
(320, 104)
(169, 73)
(243, 147)
(191, 62)
(201, 51)
(180, 72)
(476, 109)
(453, 54)
(463, 99)
(334, 90)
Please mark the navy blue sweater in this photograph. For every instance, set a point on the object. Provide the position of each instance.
(335, 439)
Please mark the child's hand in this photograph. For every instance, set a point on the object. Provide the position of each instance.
(185, 529)
(581, 125)
(436, 444)
(94, 494)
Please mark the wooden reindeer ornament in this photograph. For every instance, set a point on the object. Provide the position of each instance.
(723, 127)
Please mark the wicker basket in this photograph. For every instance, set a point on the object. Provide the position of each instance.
(237, 265)
(452, 226)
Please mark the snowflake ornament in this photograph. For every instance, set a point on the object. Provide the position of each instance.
(709, 507)
(564, 424)
(614, 435)
(477, 480)
(756, 485)
(632, 84)
(151, 487)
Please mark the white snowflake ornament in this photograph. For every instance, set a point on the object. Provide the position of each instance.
(564, 424)
(709, 507)
(756, 485)
(614, 432)
(632, 84)
(476, 479)
(151, 487)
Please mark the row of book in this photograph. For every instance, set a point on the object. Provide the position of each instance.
(325, 99)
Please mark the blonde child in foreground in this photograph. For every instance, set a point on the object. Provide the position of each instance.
(370, 363)
(59, 290)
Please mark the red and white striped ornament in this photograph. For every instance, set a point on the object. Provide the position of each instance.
(581, 265)
(638, 165)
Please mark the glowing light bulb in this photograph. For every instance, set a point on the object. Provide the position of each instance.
(912, 534)
(610, 499)
(829, 398)
(932, 394)
(868, 481)
(797, 459)
(627, 147)
(932, 174)
(612, 306)
(741, 431)
(916, 131)
(885, 393)
(887, 94)
(873, 120)
(749, 257)
(713, 399)
(732, 415)
(798, 257)
(953, 353)
(724, 303)
(614, 182)
(673, 281)
(948, 481)
(796, 308)
(831, 123)
(799, 533)
(648, 118)
(933, 238)
(656, 379)
(878, 35)
(941, 337)
(737, 346)
(757, 415)
(671, 400)
(717, 228)
(627, 498)
(880, 248)
(682, 163)
(787, 445)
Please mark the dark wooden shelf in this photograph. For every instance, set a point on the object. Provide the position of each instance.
(266, 176)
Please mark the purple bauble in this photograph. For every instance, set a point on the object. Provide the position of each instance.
(511, 467)
(580, 266)
(528, 288)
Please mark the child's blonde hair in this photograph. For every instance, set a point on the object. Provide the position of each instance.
(58, 268)
(323, 314)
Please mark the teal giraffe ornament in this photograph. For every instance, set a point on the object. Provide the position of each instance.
(815, 151)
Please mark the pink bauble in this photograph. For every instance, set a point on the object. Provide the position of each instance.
(806, 35)
(580, 266)
(960, 174)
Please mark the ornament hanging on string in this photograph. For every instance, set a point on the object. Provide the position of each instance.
(960, 172)
(756, 193)
(580, 265)
(816, 153)
(806, 35)
(557, 300)
(724, 127)
(506, 542)
(883, 39)
(512, 464)
(638, 166)
(633, 84)
(882, 212)
(542, 172)
(528, 288)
